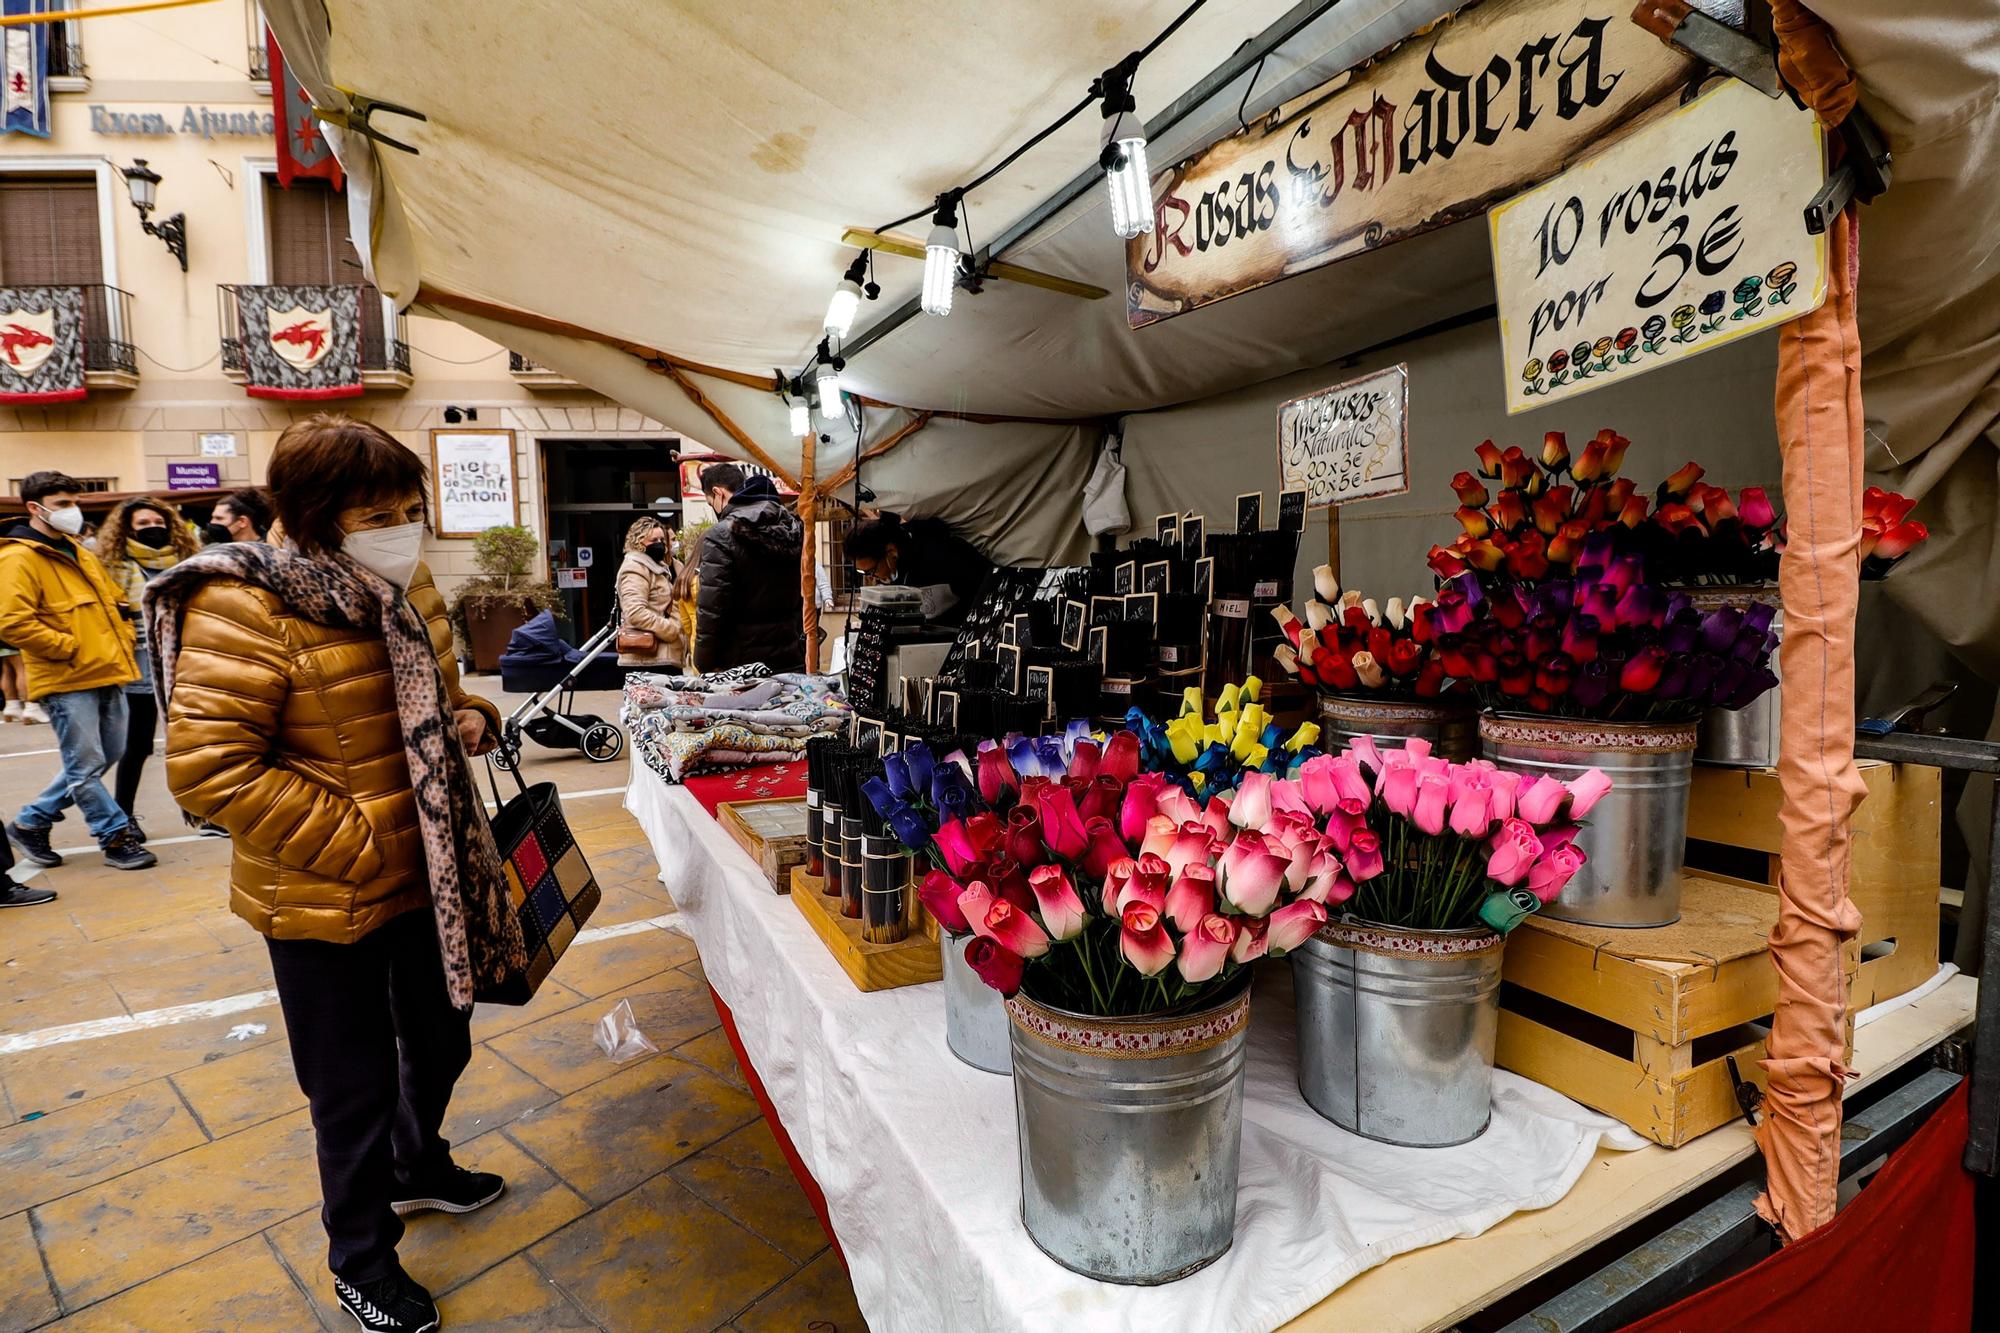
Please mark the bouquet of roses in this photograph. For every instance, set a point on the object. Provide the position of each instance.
(1156, 912)
(1605, 644)
(1887, 531)
(1206, 756)
(1427, 844)
(1349, 644)
(920, 796)
(1697, 534)
(1546, 507)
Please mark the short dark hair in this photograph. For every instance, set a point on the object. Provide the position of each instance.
(37, 486)
(724, 476)
(871, 540)
(328, 463)
(252, 503)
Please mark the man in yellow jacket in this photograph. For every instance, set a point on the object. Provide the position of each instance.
(59, 607)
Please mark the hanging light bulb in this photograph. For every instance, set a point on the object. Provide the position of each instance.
(846, 300)
(1123, 155)
(941, 256)
(802, 422)
(826, 382)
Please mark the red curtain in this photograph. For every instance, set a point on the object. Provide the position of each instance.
(1899, 1257)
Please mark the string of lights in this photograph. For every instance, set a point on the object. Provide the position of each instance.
(1122, 155)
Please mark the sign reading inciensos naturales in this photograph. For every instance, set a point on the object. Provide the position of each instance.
(1687, 235)
(1349, 442)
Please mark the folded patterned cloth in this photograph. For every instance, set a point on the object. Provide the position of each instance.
(686, 724)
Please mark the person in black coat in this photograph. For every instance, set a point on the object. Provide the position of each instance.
(922, 552)
(749, 608)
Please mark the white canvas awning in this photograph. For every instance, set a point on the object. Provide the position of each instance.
(678, 177)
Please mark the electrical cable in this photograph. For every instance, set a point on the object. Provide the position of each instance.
(1096, 92)
(178, 370)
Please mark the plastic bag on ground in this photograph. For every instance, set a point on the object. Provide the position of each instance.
(618, 1035)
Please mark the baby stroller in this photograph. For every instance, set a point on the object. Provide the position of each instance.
(560, 727)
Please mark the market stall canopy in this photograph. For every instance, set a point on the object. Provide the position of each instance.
(680, 177)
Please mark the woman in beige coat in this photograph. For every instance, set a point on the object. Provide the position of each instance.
(646, 599)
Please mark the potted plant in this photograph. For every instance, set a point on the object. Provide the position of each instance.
(1375, 670)
(502, 597)
(1399, 995)
(1118, 917)
(1583, 659)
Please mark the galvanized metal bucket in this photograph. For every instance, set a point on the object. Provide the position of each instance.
(1451, 728)
(1746, 737)
(975, 1015)
(1396, 1030)
(1636, 837)
(1130, 1133)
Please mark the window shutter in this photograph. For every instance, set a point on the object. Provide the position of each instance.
(48, 231)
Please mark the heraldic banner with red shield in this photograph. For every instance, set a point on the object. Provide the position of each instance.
(41, 345)
(301, 342)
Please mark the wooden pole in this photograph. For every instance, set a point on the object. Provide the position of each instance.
(1333, 539)
(852, 470)
(716, 414)
(809, 552)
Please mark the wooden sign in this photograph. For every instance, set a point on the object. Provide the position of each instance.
(1486, 102)
(1687, 235)
(1349, 442)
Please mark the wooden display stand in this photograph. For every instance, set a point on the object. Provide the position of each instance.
(910, 961)
(1895, 862)
(772, 830)
(1638, 1023)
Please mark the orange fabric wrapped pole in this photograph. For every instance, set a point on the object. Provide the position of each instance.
(1818, 404)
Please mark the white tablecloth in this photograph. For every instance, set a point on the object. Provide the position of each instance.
(916, 1152)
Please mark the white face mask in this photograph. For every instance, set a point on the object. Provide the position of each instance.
(68, 520)
(391, 553)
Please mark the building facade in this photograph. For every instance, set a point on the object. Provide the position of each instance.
(188, 93)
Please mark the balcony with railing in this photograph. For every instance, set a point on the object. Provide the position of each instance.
(66, 54)
(384, 336)
(109, 359)
(533, 375)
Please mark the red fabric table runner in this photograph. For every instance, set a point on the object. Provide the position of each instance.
(1900, 1256)
(759, 782)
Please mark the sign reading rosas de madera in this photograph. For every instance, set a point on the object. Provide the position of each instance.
(1350, 442)
(1685, 236)
(1497, 97)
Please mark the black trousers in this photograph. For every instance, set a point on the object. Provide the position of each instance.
(377, 1047)
(144, 713)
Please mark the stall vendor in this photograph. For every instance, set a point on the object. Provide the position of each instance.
(922, 553)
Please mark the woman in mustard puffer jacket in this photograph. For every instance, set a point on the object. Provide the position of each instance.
(314, 711)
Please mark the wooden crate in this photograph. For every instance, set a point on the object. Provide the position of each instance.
(772, 830)
(910, 961)
(1637, 1023)
(1895, 862)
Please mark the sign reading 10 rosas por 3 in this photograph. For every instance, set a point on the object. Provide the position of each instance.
(1688, 234)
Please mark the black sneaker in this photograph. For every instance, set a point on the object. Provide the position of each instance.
(20, 895)
(456, 1191)
(124, 852)
(208, 830)
(34, 845)
(392, 1304)
(138, 829)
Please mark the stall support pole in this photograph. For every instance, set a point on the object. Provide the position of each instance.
(809, 550)
(1333, 540)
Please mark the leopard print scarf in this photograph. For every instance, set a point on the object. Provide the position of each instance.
(479, 935)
